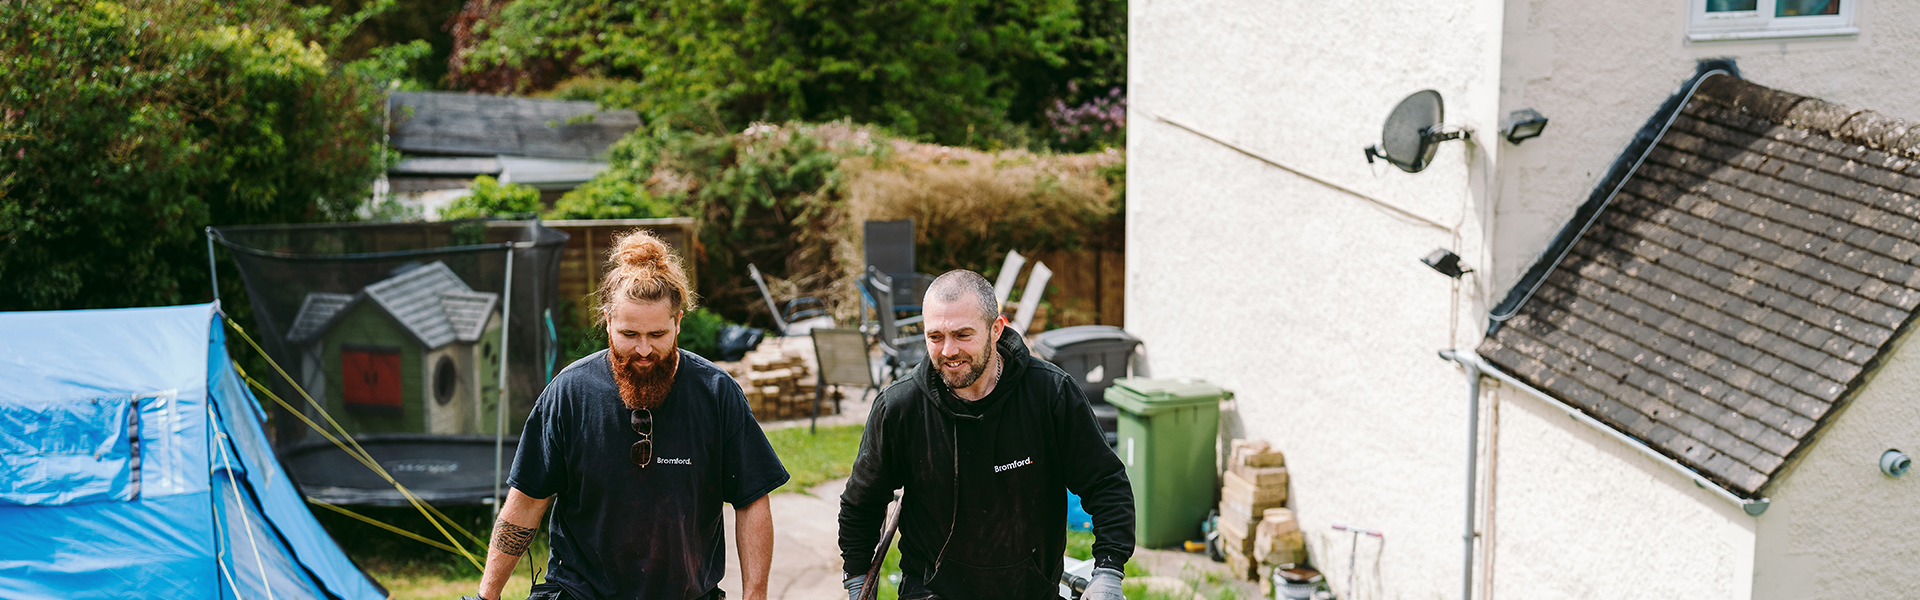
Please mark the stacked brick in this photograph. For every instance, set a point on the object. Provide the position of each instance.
(1255, 527)
(778, 384)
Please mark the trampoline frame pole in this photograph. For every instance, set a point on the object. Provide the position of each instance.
(213, 273)
(500, 406)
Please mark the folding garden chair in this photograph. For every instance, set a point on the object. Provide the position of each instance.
(797, 316)
(843, 360)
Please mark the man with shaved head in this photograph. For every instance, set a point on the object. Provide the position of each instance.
(986, 439)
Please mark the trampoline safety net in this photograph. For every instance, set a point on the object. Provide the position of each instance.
(401, 330)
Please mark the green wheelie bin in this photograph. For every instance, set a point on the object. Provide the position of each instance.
(1168, 430)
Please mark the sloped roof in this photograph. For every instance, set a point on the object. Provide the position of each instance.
(316, 315)
(1738, 287)
(467, 313)
(461, 124)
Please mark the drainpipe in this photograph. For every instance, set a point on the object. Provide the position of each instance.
(1473, 462)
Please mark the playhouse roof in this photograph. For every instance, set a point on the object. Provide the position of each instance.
(1736, 289)
(430, 302)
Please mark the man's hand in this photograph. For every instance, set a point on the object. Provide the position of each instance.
(1105, 585)
(855, 585)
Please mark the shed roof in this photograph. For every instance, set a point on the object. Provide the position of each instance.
(460, 124)
(1737, 288)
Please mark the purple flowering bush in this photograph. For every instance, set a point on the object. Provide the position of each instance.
(1100, 122)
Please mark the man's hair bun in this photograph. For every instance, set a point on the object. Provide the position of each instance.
(642, 268)
(641, 249)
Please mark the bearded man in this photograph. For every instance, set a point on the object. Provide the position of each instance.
(635, 448)
(986, 439)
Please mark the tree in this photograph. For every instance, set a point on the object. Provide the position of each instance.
(127, 127)
(975, 72)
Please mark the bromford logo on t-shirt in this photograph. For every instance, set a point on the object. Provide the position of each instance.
(672, 461)
(1013, 465)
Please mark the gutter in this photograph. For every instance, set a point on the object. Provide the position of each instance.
(1473, 362)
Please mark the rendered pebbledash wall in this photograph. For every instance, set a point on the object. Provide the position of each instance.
(1839, 528)
(1307, 302)
(1311, 305)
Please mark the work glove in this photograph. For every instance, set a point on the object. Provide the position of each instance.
(1105, 585)
(855, 585)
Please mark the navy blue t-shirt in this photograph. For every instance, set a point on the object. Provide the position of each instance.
(620, 531)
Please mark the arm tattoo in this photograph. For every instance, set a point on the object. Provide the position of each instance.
(511, 539)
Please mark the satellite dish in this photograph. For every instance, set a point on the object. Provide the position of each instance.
(1413, 132)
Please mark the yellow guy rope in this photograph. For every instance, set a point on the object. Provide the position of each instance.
(363, 456)
(366, 461)
(363, 460)
(370, 521)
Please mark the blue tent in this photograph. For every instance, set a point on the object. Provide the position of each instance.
(133, 465)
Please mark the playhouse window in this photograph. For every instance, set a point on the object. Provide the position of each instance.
(445, 380)
(370, 379)
(1713, 20)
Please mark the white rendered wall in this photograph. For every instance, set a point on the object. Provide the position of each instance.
(1311, 304)
(1577, 514)
(1838, 528)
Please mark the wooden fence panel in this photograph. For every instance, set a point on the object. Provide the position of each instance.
(583, 263)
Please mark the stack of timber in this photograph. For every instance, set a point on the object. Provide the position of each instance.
(778, 384)
(1254, 483)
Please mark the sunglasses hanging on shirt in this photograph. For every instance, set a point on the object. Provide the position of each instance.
(642, 451)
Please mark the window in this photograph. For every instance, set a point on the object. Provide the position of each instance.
(1713, 20)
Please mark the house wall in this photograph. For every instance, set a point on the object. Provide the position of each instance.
(1309, 303)
(1578, 514)
(1837, 527)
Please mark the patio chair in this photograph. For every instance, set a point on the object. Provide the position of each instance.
(1009, 271)
(1030, 297)
(797, 316)
(842, 359)
(889, 247)
(902, 350)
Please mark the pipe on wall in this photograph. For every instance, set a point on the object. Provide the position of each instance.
(1472, 366)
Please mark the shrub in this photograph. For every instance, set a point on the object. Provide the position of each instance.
(127, 127)
(968, 72)
(491, 198)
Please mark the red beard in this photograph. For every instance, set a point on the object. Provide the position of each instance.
(644, 387)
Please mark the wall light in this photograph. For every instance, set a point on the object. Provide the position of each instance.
(1523, 125)
(1446, 262)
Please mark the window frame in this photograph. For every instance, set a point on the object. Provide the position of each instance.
(1760, 24)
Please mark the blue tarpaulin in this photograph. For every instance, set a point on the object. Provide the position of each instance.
(133, 464)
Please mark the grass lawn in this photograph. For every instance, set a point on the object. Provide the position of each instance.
(815, 458)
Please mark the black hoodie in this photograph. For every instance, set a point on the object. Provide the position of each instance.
(985, 511)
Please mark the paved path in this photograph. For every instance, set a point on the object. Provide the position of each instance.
(806, 546)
